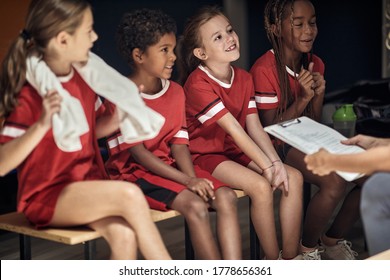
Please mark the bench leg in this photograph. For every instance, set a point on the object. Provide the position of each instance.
(254, 242)
(90, 250)
(25, 247)
(190, 254)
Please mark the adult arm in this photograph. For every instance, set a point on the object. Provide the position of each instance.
(367, 162)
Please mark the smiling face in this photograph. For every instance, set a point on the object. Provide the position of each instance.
(158, 60)
(299, 28)
(220, 42)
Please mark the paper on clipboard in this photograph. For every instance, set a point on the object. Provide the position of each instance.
(309, 136)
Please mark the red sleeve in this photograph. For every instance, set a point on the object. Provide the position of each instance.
(203, 103)
(266, 87)
(25, 114)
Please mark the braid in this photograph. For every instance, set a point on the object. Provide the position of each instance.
(274, 15)
(275, 12)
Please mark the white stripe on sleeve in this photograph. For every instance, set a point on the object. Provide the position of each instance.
(212, 112)
(12, 131)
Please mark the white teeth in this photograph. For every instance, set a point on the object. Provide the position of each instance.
(231, 48)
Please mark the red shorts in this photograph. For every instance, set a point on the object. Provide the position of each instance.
(39, 210)
(160, 192)
(209, 162)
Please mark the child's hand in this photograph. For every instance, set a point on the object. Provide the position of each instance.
(318, 163)
(202, 187)
(306, 80)
(268, 173)
(280, 176)
(318, 85)
(51, 104)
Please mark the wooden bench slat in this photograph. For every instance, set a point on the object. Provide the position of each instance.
(16, 222)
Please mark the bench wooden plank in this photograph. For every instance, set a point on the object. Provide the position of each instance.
(16, 222)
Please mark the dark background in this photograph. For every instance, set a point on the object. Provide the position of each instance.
(349, 38)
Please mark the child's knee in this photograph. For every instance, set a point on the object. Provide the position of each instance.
(120, 236)
(295, 176)
(226, 195)
(334, 186)
(196, 209)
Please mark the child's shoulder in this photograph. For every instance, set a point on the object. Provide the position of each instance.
(317, 59)
(175, 85)
(241, 74)
(266, 60)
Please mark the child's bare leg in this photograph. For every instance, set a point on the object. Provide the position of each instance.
(89, 201)
(332, 189)
(261, 195)
(346, 217)
(228, 228)
(290, 213)
(195, 211)
(119, 235)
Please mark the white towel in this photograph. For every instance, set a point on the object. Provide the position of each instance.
(137, 122)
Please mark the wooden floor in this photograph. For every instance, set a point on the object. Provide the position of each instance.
(171, 230)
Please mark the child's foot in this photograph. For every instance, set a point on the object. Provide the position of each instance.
(337, 249)
(311, 253)
(297, 257)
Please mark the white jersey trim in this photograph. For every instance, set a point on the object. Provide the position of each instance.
(12, 131)
(252, 104)
(115, 142)
(181, 134)
(222, 84)
(266, 99)
(212, 112)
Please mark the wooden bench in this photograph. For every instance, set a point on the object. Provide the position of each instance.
(17, 223)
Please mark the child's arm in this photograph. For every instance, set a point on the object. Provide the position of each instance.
(261, 138)
(202, 187)
(368, 162)
(158, 167)
(107, 124)
(246, 144)
(312, 90)
(16, 151)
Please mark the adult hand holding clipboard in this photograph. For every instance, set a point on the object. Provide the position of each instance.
(310, 137)
(318, 163)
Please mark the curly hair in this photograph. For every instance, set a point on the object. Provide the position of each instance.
(141, 29)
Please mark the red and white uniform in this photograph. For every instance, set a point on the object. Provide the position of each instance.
(159, 191)
(207, 100)
(266, 81)
(47, 170)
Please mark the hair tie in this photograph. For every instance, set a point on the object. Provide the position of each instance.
(25, 35)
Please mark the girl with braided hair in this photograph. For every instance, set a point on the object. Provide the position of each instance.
(289, 83)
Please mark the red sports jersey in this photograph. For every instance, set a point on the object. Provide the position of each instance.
(207, 100)
(266, 80)
(47, 168)
(169, 102)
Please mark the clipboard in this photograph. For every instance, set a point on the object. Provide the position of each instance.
(308, 136)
